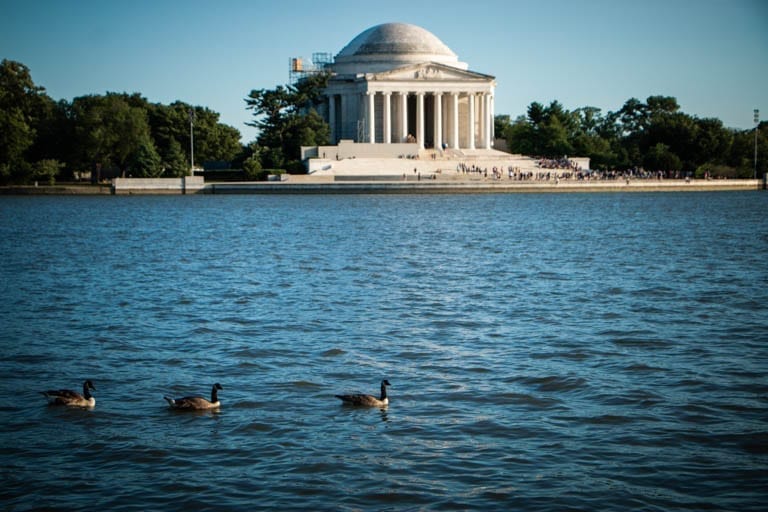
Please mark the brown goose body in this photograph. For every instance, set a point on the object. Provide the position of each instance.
(367, 400)
(71, 398)
(196, 403)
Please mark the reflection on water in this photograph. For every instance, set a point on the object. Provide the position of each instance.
(550, 352)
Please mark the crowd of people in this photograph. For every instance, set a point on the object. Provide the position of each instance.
(513, 173)
(563, 169)
(557, 163)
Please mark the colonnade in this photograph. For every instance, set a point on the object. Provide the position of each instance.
(454, 119)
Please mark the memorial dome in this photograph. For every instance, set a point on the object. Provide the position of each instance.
(393, 45)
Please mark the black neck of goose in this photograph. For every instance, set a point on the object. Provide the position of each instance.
(86, 391)
(214, 395)
(383, 391)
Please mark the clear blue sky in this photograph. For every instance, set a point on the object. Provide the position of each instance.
(712, 55)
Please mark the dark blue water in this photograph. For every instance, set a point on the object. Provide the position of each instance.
(546, 352)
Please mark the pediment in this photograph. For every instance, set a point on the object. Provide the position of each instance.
(429, 71)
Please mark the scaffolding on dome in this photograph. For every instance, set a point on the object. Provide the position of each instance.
(299, 67)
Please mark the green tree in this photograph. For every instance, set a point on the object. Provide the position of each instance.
(170, 127)
(15, 137)
(536, 113)
(656, 105)
(742, 153)
(520, 137)
(173, 160)
(252, 165)
(712, 142)
(287, 119)
(109, 130)
(500, 124)
(47, 170)
(145, 162)
(554, 138)
(660, 158)
(24, 107)
(213, 141)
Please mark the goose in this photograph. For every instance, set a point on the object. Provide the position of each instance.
(196, 403)
(71, 398)
(368, 400)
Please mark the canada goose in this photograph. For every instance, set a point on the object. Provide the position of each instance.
(369, 400)
(196, 402)
(71, 398)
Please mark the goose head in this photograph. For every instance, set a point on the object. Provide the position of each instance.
(87, 387)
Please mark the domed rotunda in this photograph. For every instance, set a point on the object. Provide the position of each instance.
(392, 45)
(399, 83)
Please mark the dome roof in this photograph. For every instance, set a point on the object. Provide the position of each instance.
(397, 38)
(392, 45)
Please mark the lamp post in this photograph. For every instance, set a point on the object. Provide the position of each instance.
(191, 142)
(757, 123)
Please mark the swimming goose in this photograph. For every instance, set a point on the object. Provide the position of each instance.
(369, 400)
(196, 402)
(71, 398)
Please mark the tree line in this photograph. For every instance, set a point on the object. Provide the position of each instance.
(653, 135)
(42, 139)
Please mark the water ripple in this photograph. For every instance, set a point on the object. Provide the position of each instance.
(590, 352)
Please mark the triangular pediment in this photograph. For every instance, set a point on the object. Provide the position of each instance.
(428, 71)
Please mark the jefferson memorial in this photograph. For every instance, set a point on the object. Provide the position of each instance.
(399, 83)
(397, 92)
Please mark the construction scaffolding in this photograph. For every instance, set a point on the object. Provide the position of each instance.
(299, 67)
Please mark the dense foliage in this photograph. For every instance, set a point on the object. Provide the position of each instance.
(45, 140)
(287, 119)
(653, 135)
(41, 139)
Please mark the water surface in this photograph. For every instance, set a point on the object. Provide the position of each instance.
(546, 352)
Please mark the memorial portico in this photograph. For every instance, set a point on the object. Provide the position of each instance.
(399, 83)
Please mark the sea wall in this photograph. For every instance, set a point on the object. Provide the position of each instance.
(56, 190)
(304, 184)
(183, 185)
(307, 186)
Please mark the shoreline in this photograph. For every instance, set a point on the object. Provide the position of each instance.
(308, 185)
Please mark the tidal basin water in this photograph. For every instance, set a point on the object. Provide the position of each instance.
(546, 352)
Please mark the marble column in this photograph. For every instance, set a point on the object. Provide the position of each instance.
(487, 135)
(420, 119)
(482, 125)
(438, 121)
(371, 117)
(332, 117)
(455, 123)
(344, 104)
(403, 116)
(471, 144)
(387, 118)
(491, 101)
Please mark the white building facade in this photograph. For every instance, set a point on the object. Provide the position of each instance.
(398, 83)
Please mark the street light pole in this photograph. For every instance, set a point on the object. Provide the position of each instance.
(757, 123)
(191, 142)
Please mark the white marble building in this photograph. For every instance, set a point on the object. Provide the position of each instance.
(398, 83)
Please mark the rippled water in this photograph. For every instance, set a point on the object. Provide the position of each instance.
(546, 352)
